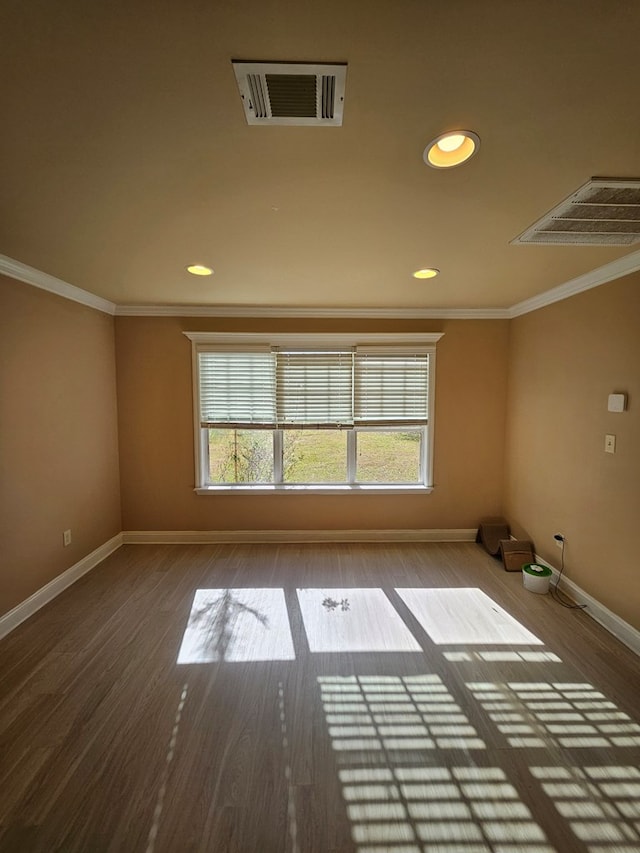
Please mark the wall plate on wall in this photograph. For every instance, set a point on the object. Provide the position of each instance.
(617, 402)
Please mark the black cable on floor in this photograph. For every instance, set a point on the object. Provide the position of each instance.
(561, 597)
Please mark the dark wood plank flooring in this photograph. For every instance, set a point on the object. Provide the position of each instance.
(310, 713)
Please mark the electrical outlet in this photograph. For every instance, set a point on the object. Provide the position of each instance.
(558, 538)
(66, 538)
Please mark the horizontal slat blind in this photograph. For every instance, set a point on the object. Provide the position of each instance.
(391, 388)
(321, 389)
(314, 389)
(237, 389)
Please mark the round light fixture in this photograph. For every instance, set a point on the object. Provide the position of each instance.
(451, 149)
(431, 272)
(199, 269)
(452, 142)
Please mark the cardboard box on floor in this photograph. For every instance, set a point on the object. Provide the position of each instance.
(515, 553)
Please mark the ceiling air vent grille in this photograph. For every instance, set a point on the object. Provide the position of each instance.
(291, 93)
(603, 212)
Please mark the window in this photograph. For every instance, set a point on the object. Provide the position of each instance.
(324, 412)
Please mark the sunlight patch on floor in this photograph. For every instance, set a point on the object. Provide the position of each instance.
(465, 616)
(394, 807)
(398, 714)
(601, 804)
(164, 778)
(566, 714)
(500, 656)
(353, 620)
(237, 625)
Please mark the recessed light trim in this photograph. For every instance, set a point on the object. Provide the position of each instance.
(199, 269)
(451, 149)
(429, 272)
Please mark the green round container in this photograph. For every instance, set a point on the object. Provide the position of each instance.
(536, 577)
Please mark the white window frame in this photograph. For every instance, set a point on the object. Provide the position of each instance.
(423, 342)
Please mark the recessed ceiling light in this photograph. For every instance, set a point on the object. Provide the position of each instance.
(432, 272)
(451, 149)
(199, 269)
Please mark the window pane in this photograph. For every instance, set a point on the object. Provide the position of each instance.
(240, 456)
(314, 456)
(388, 456)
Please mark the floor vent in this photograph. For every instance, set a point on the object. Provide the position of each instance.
(603, 212)
(291, 93)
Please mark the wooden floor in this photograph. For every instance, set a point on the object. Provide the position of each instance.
(354, 698)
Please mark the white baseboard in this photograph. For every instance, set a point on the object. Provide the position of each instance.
(203, 537)
(626, 633)
(28, 607)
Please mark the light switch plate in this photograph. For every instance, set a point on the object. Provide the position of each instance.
(609, 444)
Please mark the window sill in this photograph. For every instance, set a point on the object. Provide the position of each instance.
(282, 489)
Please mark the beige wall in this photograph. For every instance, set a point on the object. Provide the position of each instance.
(156, 434)
(58, 437)
(564, 361)
(529, 395)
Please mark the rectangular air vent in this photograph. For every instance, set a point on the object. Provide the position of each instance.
(291, 93)
(603, 212)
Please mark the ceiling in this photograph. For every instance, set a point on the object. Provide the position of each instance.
(125, 154)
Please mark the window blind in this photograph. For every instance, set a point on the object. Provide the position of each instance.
(237, 389)
(314, 389)
(319, 389)
(391, 387)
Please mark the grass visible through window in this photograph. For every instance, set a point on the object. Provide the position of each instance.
(388, 457)
(314, 456)
(240, 456)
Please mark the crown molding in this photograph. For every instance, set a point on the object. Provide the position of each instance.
(30, 275)
(256, 311)
(594, 278)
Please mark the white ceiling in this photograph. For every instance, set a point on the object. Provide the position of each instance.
(125, 154)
